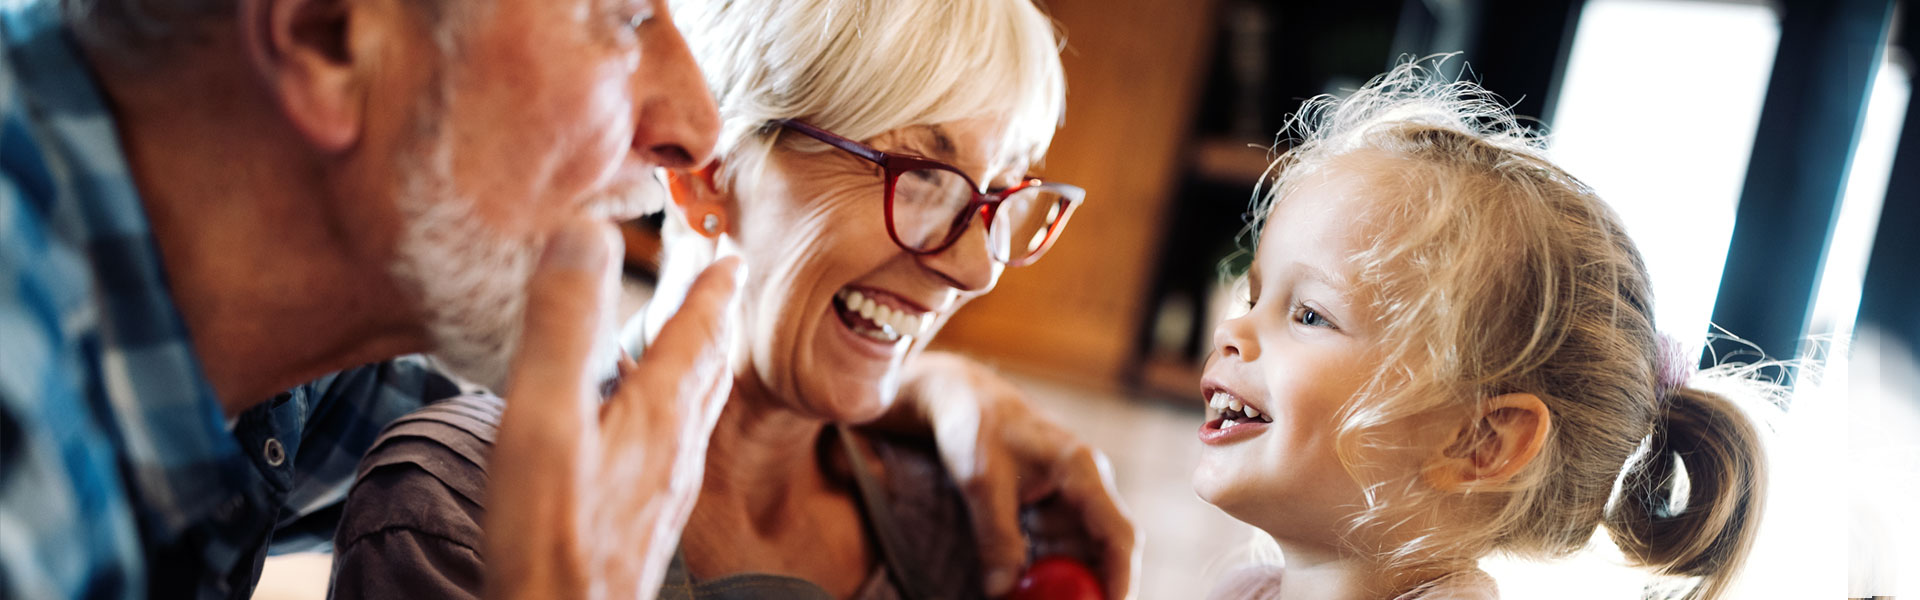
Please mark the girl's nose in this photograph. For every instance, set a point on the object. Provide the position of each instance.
(1233, 339)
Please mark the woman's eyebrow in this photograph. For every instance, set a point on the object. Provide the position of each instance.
(943, 147)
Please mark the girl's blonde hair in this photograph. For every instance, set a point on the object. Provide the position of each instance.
(1495, 272)
(860, 68)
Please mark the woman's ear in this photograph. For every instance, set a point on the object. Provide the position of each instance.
(698, 198)
(1496, 444)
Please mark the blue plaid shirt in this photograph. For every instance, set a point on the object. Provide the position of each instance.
(120, 477)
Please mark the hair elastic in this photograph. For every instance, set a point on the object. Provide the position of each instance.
(1673, 369)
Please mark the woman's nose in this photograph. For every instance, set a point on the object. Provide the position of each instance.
(1232, 339)
(966, 265)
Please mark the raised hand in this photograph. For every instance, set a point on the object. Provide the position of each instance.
(587, 499)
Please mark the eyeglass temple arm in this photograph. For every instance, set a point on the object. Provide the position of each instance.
(857, 148)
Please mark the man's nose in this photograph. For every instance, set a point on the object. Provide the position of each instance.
(678, 124)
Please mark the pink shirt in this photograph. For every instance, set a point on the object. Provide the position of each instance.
(1262, 582)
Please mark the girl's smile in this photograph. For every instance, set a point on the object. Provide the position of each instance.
(1231, 418)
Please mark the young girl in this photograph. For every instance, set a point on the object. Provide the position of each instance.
(1449, 352)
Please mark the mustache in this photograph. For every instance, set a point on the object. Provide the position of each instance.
(628, 199)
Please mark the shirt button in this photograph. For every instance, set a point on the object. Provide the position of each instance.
(275, 453)
(229, 509)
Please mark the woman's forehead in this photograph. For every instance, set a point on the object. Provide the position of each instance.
(973, 145)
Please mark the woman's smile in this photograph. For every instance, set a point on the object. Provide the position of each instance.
(881, 316)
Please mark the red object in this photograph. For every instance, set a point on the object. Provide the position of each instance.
(986, 204)
(1057, 578)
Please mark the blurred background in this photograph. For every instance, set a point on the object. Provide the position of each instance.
(1756, 150)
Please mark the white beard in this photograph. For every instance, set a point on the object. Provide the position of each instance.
(471, 281)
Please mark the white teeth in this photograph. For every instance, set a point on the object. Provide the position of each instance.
(1233, 404)
(1227, 424)
(892, 323)
(1252, 413)
(1218, 401)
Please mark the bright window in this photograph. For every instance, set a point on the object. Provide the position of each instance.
(1658, 113)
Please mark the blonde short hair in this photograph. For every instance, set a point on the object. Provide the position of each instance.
(1493, 271)
(860, 68)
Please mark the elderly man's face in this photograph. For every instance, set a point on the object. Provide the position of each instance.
(549, 110)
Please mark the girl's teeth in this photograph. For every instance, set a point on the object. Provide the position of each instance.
(1227, 424)
(1233, 404)
(1252, 413)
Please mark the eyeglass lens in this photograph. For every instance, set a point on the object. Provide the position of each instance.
(927, 203)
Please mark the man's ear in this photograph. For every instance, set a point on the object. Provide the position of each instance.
(1496, 444)
(304, 53)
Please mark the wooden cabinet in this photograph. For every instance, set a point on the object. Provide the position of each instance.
(1133, 72)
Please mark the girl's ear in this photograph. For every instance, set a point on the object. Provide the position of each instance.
(1495, 444)
(698, 198)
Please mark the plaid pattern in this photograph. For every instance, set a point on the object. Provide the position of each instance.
(120, 477)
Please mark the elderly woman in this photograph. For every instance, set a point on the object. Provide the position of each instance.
(872, 173)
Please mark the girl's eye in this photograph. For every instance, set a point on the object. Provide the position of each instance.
(1310, 317)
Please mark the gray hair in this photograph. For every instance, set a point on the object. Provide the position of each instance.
(132, 28)
(864, 67)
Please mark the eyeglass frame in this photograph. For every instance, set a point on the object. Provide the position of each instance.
(985, 204)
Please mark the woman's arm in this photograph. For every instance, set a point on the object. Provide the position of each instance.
(1006, 457)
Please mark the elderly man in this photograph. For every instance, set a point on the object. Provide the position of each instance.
(209, 202)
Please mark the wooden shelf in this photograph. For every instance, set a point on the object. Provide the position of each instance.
(1175, 381)
(1231, 160)
(643, 247)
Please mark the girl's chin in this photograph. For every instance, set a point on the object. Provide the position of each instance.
(1215, 485)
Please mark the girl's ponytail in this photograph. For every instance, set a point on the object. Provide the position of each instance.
(1706, 529)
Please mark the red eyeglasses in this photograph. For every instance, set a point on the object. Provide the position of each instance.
(931, 203)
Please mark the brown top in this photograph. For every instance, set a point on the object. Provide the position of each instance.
(411, 526)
